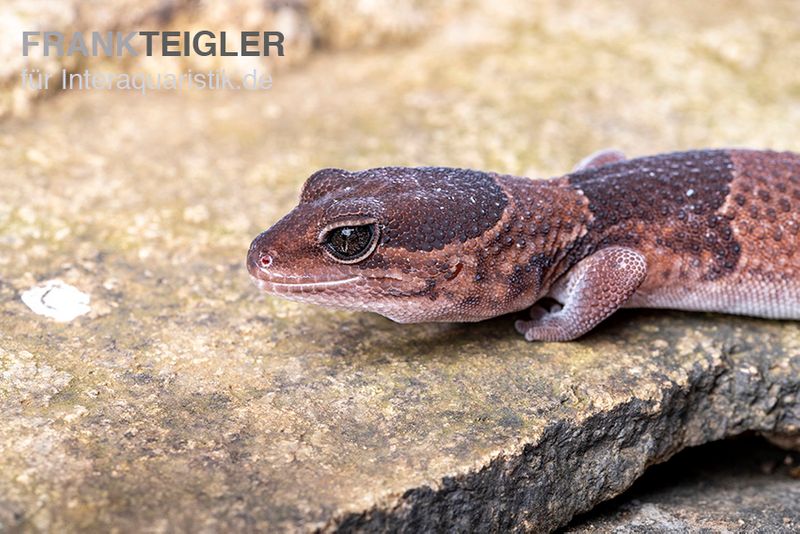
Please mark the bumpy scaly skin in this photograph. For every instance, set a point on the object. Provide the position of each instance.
(713, 230)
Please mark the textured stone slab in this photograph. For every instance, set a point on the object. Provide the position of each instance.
(200, 420)
(740, 485)
(699, 389)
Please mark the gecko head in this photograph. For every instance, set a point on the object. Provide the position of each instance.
(402, 242)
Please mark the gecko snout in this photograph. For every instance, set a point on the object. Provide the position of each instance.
(259, 258)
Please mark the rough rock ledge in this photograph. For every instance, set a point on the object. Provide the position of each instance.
(739, 383)
(355, 423)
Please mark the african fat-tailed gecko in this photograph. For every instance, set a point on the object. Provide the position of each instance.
(712, 230)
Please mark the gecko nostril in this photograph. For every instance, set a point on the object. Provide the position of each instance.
(265, 260)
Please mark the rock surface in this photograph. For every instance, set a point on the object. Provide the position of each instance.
(736, 485)
(184, 400)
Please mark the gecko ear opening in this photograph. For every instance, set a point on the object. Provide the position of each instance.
(351, 243)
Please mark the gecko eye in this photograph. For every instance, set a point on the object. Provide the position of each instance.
(351, 244)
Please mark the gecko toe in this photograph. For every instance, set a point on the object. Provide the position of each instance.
(522, 326)
(547, 333)
(526, 328)
(532, 330)
(530, 335)
(537, 313)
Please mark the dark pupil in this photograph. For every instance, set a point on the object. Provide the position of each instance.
(350, 241)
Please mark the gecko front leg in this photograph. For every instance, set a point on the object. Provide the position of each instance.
(591, 291)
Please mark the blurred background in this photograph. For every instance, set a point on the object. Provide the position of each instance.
(525, 88)
(149, 202)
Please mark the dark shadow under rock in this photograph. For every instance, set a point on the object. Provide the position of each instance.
(743, 484)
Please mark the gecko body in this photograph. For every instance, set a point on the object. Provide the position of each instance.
(707, 230)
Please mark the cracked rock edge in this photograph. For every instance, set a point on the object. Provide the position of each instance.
(574, 466)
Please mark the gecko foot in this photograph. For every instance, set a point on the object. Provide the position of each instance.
(538, 314)
(592, 290)
(544, 328)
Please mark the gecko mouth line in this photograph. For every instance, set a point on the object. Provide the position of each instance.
(299, 286)
(271, 282)
(272, 285)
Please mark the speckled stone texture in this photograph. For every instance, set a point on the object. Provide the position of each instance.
(186, 401)
(738, 485)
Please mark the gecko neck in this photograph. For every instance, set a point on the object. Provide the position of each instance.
(540, 236)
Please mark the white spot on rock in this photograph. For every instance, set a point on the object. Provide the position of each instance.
(57, 300)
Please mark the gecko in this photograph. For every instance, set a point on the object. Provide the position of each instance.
(703, 230)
